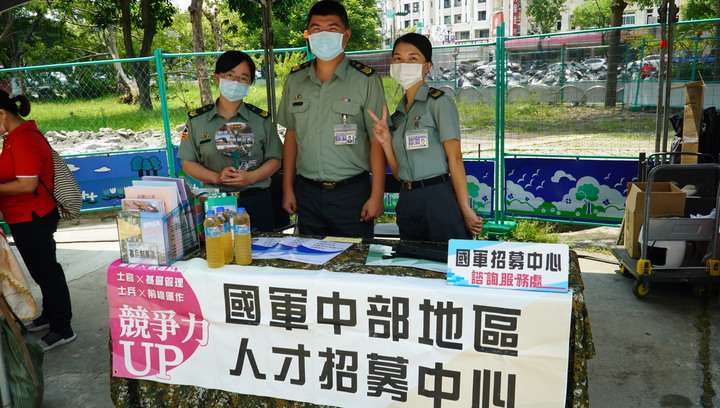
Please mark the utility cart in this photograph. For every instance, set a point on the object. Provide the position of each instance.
(699, 265)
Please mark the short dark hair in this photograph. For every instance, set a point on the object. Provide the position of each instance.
(11, 104)
(420, 42)
(329, 8)
(231, 59)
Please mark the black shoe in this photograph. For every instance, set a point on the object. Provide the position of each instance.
(52, 340)
(41, 323)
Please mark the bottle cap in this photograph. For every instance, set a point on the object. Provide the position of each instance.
(241, 209)
(210, 212)
(219, 209)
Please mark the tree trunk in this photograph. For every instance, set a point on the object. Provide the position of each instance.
(196, 15)
(211, 15)
(126, 22)
(615, 53)
(111, 45)
(141, 70)
(8, 20)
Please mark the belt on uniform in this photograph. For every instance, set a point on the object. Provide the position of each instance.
(332, 185)
(412, 185)
(246, 193)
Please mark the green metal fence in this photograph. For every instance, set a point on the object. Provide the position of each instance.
(541, 96)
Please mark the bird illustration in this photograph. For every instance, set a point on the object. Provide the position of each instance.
(486, 175)
(540, 186)
(536, 173)
(511, 172)
(620, 184)
(522, 178)
(607, 177)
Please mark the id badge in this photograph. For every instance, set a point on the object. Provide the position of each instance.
(345, 134)
(416, 139)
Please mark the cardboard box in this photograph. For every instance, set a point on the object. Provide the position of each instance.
(692, 120)
(665, 200)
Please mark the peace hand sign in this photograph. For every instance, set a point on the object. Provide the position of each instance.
(380, 128)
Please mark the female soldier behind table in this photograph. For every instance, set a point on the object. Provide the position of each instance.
(232, 145)
(27, 204)
(422, 145)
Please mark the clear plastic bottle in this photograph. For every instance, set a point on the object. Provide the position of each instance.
(243, 244)
(226, 234)
(213, 240)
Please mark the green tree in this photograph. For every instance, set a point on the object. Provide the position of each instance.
(545, 14)
(593, 14)
(698, 9)
(290, 21)
(149, 16)
(615, 54)
(34, 35)
(589, 193)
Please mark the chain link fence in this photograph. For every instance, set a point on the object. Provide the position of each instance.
(555, 89)
(536, 96)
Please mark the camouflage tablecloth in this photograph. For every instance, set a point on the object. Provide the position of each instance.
(142, 393)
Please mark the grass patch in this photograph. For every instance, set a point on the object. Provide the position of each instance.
(534, 231)
(90, 114)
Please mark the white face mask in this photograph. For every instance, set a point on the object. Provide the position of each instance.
(233, 91)
(326, 45)
(406, 74)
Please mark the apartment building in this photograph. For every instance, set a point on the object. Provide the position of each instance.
(449, 22)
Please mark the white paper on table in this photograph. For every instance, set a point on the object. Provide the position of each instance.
(306, 250)
(266, 248)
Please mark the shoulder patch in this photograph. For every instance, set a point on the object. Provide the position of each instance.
(362, 67)
(300, 67)
(200, 111)
(435, 93)
(257, 110)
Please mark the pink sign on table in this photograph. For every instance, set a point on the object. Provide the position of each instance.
(156, 322)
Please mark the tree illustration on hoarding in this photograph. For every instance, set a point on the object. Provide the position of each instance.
(146, 166)
(589, 193)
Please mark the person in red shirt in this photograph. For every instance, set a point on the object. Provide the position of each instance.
(28, 207)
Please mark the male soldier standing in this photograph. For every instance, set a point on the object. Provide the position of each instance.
(329, 146)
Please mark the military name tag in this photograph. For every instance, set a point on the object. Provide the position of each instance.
(416, 139)
(345, 134)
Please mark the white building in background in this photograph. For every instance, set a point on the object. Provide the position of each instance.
(450, 22)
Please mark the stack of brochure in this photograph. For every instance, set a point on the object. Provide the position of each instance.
(155, 224)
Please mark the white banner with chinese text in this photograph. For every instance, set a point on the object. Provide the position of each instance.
(340, 339)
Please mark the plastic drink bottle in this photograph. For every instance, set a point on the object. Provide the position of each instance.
(243, 245)
(213, 240)
(222, 215)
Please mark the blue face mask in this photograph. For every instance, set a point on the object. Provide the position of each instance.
(326, 45)
(233, 91)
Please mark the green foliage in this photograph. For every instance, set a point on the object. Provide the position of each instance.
(592, 14)
(533, 231)
(290, 21)
(698, 10)
(545, 13)
(284, 63)
(33, 35)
